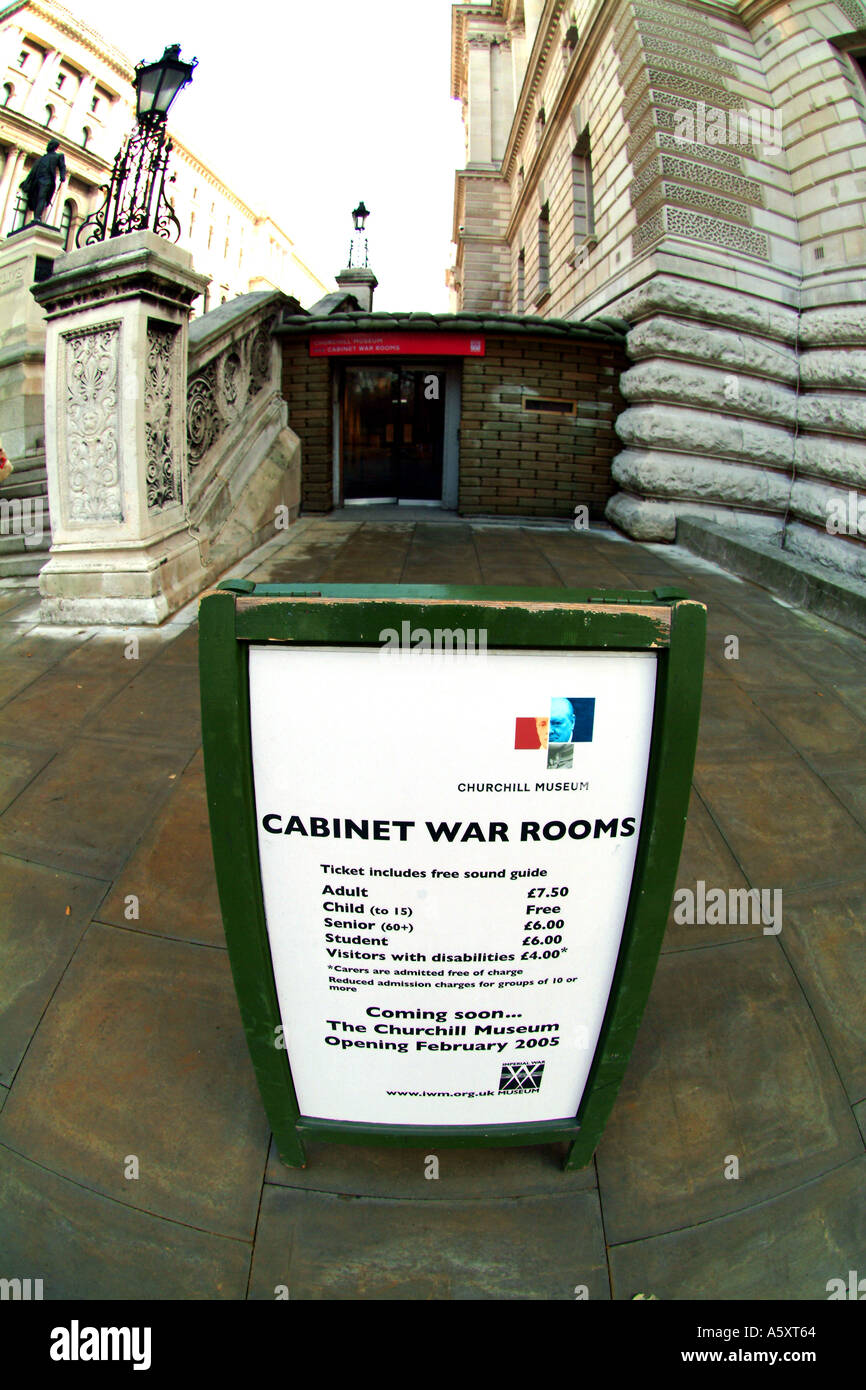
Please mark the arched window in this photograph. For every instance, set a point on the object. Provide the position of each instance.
(8, 93)
(85, 137)
(67, 222)
(49, 115)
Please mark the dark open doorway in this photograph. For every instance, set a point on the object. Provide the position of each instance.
(392, 433)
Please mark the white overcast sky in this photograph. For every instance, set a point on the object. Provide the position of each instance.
(304, 108)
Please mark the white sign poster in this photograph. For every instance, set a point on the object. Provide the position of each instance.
(447, 845)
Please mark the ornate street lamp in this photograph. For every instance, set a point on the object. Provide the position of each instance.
(359, 239)
(136, 199)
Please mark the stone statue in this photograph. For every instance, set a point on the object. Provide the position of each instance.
(39, 185)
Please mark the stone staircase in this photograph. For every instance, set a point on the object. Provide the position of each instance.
(25, 528)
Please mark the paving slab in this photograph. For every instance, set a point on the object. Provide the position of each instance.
(89, 807)
(860, 1117)
(824, 937)
(852, 694)
(38, 646)
(783, 823)
(501, 550)
(358, 1170)
(59, 702)
(326, 1247)
(43, 914)
(18, 766)
(763, 662)
(732, 727)
(827, 658)
(141, 1054)
(182, 649)
(377, 551)
(788, 1248)
(13, 599)
(849, 785)
(26, 610)
(84, 1246)
(443, 554)
(171, 875)
(707, 859)
(815, 722)
(728, 1062)
(160, 706)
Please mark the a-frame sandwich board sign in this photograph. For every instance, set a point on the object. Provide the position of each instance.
(446, 825)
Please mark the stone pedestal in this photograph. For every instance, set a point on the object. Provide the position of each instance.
(22, 339)
(115, 417)
(359, 281)
(25, 531)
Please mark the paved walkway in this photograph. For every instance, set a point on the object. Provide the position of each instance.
(134, 1154)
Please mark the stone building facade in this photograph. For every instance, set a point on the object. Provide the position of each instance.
(59, 78)
(698, 169)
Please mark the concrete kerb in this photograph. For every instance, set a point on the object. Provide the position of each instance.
(808, 586)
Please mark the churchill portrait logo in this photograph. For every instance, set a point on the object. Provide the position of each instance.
(571, 720)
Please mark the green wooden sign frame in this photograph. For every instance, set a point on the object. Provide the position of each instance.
(238, 614)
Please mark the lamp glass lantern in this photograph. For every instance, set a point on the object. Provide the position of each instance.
(359, 216)
(157, 84)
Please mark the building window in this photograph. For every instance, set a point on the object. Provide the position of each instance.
(540, 122)
(521, 281)
(543, 253)
(22, 57)
(20, 211)
(49, 115)
(8, 93)
(582, 192)
(94, 105)
(61, 78)
(85, 137)
(67, 222)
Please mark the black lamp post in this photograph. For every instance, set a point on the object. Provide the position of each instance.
(359, 221)
(136, 199)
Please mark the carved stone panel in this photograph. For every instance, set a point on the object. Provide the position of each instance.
(220, 391)
(90, 481)
(164, 479)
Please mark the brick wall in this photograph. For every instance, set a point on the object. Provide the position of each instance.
(518, 462)
(306, 388)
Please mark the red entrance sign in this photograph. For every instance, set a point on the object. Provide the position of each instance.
(398, 345)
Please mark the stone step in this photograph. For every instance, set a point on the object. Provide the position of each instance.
(14, 487)
(30, 562)
(11, 544)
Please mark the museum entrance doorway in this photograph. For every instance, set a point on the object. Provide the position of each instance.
(393, 432)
